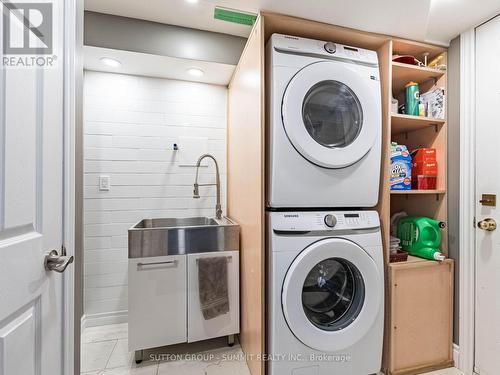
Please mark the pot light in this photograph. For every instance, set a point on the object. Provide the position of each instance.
(192, 1)
(195, 72)
(111, 62)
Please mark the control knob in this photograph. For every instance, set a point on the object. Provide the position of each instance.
(330, 220)
(330, 47)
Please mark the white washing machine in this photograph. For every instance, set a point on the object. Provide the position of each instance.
(324, 124)
(325, 293)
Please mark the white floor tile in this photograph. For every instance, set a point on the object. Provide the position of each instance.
(95, 355)
(182, 368)
(447, 371)
(120, 356)
(151, 369)
(105, 333)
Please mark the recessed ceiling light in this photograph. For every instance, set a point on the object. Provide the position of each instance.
(111, 62)
(192, 1)
(195, 72)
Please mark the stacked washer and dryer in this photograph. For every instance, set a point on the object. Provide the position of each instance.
(325, 273)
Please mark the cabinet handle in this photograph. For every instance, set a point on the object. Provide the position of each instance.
(139, 265)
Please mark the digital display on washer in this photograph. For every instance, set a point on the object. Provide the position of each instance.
(351, 215)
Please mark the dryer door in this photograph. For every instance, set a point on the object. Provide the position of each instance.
(331, 114)
(332, 294)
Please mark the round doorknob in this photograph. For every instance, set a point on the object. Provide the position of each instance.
(487, 224)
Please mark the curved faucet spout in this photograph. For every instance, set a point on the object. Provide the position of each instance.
(196, 190)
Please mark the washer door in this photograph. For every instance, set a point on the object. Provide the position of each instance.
(330, 114)
(331, 294)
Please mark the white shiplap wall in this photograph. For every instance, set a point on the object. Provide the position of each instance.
(131, 124)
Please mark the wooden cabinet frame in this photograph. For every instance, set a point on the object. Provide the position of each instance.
(246, 158)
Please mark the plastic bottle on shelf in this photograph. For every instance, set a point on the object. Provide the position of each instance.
(421, 236)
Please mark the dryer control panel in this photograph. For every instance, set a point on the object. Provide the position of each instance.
(324, 220)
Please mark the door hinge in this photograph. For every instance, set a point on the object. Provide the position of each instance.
(474, 222)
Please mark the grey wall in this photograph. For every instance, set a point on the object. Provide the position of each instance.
(454, 167)
(130, 34)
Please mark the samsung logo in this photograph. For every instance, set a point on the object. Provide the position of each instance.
(291, 215)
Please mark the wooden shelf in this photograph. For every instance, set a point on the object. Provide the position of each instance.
(407, 123)
(404, 73)
(418, 192)
(411, 260)
(417, 49)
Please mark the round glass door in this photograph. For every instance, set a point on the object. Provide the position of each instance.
(332, 114)
(332, 293)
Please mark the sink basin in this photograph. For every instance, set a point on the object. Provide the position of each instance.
(176, 236)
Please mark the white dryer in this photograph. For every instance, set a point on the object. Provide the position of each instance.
(325, 293)
(324, 124)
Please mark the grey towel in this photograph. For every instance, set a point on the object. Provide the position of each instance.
(213, 290)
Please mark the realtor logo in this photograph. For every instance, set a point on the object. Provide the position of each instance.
(27, 28)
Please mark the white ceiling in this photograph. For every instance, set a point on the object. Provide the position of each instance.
(156, 66)
(435, 21)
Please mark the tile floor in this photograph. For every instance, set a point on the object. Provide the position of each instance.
(105, 352)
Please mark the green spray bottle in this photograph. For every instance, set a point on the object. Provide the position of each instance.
(421, 237)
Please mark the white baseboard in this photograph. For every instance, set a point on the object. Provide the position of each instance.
(456, 354)
(101, 319)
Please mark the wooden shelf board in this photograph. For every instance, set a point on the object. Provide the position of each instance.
(412, 260)
(418, 192)
(404, 73)
(417, 49)
(407, 123)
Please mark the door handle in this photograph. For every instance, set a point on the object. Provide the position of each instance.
(488, 224)
(55, 262)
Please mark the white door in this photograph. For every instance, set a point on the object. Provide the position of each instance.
(332, 294)
(331, 113)
(487, 340)
(31, 199)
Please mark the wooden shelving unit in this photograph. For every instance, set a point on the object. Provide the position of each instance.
(417, 289)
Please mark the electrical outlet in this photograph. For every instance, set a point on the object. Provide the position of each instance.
(104, 183)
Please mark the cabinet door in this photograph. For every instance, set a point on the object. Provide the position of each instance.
(227, 324)
(421, 316)
(157, 301)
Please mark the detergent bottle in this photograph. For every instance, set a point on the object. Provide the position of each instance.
(421, 236)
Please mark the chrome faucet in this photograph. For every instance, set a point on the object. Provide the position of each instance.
(196, 190)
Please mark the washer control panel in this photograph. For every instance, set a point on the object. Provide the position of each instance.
(324, 220)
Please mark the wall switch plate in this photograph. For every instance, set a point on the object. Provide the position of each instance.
(104, 183)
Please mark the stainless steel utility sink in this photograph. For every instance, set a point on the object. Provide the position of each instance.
(175, 236)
